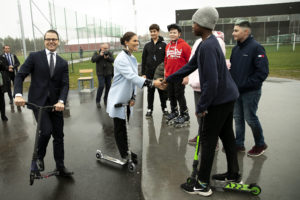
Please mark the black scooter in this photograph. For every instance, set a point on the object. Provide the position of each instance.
(35, 167)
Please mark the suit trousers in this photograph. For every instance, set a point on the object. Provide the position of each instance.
(12, 78)
(217, 123)
(2, 104)
(52, 123)
(120, 131)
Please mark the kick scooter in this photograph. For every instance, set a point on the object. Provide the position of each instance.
(100, 156)
(252, 188)
(35, 167)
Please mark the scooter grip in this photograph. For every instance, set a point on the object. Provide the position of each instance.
(118, 105)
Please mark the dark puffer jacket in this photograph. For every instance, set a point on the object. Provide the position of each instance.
(153, 55)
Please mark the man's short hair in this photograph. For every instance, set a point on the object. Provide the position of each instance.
(52, 31)
(174, 26)
(243, 23)
(154, 26)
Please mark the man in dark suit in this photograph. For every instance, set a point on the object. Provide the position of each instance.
(12, 63)
(49, 86)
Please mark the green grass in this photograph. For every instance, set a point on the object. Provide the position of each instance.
(285, 63)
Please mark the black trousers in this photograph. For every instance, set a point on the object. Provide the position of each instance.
(163, 95)
(217, 123)
(2, 103)
(120, 131)
(12, 78)
(176, 93)
(52, 123)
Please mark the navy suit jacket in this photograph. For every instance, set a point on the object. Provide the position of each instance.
(42, 86)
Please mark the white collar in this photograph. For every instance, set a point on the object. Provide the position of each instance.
(48, 52)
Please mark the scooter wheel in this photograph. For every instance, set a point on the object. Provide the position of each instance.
(255, 189)
(131, 167)
(31, 179)
(99, 155)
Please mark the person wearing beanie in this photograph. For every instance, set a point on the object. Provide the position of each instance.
(177, 55)
(215, 107)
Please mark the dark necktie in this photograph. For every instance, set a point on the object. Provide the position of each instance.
(8, 59)
(51, 64)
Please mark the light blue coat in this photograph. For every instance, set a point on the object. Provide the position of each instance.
(124, 84)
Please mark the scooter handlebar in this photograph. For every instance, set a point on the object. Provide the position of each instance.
(39, 107)
(118, 105)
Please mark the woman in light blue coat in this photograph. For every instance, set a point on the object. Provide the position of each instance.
(123, 90)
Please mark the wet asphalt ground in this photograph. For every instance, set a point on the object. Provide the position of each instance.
(86, 129)
(165, 157)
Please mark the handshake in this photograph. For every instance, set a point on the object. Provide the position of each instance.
(160, 83)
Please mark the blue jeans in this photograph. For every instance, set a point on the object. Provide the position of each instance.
(103, 81)
(245, 109)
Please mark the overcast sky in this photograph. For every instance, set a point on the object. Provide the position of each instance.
(120, 12)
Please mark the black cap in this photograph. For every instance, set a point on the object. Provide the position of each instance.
(174, 26)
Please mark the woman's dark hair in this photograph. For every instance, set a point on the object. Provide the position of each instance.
(126, 37)
(174, 26)
(154, 26)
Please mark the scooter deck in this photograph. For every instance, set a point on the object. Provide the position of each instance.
(252, 188)
(109, 158)
(114, 160)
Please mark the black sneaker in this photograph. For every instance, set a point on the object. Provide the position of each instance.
(197, 188)
(237, 178)
(149, 113)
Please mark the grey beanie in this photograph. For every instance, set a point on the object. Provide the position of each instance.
(206, 17)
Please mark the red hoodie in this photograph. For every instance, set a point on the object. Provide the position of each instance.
(177, 55)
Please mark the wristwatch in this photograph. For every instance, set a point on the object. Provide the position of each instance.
(61, 101)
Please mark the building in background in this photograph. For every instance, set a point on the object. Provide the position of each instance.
(271, 23)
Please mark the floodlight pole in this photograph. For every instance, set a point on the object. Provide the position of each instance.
(22, 29)
(33, 34)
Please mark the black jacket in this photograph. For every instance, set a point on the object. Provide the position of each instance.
(5, 75)
(104, 67)
(249, 65)
(153, 55)
(15, 62)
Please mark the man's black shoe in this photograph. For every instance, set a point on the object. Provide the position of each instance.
(4, 118)
(40, 164)
(64, 172)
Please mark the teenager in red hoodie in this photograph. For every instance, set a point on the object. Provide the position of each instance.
(177, 55)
